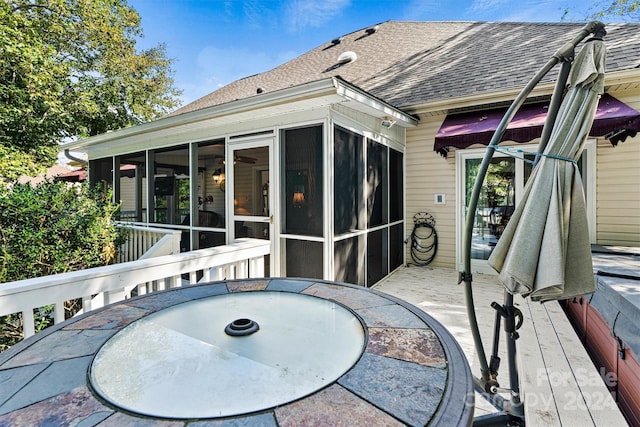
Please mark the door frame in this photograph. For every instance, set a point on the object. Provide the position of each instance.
(273, 218)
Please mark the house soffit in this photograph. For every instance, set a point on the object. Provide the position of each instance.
(214, 121)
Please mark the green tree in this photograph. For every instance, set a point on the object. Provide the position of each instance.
(52, 228)
(70, 68)
(626, 9)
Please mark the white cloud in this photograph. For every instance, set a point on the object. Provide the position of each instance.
(525, 10)
(300, 14)
(217, 67)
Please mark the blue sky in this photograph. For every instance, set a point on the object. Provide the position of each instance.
(214, 42)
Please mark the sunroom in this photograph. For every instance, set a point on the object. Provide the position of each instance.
(316, 169)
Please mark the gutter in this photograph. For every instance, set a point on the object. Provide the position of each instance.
(69, 156)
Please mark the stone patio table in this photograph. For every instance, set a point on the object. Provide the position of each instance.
(408, 370)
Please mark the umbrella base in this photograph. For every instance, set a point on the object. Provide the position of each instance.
(498, 420)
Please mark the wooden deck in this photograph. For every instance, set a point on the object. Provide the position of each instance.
(559, 383)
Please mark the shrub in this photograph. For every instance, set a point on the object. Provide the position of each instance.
(52, 228)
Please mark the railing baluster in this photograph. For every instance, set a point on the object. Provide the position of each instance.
(58, 312)
(28, 324)
(86, 303)
(109, 283)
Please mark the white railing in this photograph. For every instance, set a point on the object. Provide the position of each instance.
(144, 242)
(99, 286)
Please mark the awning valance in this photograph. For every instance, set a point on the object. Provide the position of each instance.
(614, 120)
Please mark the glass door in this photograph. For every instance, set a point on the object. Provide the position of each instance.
(251, 196)
(503, 186)
(251, 193)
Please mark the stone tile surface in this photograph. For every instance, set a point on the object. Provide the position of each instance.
(58, 378)
(112, 317)
(390, 316)
(353, 298)
(12, 380)
(76, 407)
(120, 419)
(333, 406)
(158, 301)
(400, 378)
(249, 285)
(412, 345)
(289, 285)
(260, 420)
(409, 391)
(61, 345)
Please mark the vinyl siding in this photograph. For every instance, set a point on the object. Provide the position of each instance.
(427, 174)
(618, 187)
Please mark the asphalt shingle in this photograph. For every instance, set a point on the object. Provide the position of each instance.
(410, 63)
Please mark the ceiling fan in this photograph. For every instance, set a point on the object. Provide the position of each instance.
(241, 159)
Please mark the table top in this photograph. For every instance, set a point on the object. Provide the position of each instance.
(411, 370)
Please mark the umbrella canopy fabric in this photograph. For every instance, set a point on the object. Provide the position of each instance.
(545, 252)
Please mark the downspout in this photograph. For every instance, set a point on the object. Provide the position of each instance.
(69, 156)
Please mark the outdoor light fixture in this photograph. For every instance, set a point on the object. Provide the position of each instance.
(298, 196)
(387, 122)
(218, 176)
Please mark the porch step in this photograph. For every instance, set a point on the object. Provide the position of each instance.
(559, 382)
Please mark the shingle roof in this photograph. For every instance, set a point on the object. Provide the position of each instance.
(412, 63)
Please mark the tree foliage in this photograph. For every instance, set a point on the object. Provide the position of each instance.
(70, 68)
(54, 228)
(48, 229)
(626, 9)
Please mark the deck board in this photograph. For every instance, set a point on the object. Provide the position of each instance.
(591, 382)
(560, 384)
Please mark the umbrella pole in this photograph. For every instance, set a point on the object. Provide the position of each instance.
(488, 382)
(488, 379)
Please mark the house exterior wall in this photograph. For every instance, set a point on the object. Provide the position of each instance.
(618, 187)
(427, 174)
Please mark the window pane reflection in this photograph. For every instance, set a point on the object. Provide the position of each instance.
(495, 204)
(132, 191)
(171, 186)
(251, 181)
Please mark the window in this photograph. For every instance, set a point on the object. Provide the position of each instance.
(132, 186)
(171, 186)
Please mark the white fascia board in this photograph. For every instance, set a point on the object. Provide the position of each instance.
(366, 103)
(184, 127)
(307, 91)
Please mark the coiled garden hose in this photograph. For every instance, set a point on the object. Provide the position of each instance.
(424, 239)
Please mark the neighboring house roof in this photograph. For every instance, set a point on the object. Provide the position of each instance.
(54, 171)
(409, 64)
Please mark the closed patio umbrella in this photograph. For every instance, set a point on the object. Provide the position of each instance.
(545, 252)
